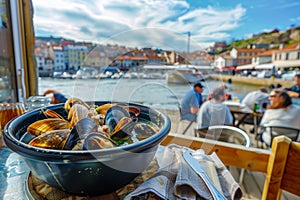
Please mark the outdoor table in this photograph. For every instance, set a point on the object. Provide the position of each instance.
(238, 109)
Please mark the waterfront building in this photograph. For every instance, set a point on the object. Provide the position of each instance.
(74, 57)
(59, 63)
(265, 57)
(97, 58)
(170, 56)
(244, 56)
(287, 58)
(219, 46)
(225, 62)
(40, 58)
(49, 65)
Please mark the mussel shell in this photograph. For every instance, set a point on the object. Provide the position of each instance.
(47, 125)
(51, 140)
(104, 108)
(79, 131)
(52, 114)
(143, 131)
(72, 101)
(95, 141)
(76, 113)
(124, 128)
(114, 115)
(133, 111)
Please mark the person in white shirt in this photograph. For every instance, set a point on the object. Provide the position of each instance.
(260, 96)
(214, 112)
(281, 111)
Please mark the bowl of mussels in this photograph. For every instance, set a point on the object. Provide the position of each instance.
(87, 148)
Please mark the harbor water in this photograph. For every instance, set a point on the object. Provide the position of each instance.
(152, 92)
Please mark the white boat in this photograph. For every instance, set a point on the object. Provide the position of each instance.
(86, 73)
(184, 75)
(66, 75)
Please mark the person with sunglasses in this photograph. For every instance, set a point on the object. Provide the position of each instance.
(281, 111)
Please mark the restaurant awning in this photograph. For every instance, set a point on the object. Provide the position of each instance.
(243, 67)
(265, 66)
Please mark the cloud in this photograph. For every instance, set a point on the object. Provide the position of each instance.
(140, 21)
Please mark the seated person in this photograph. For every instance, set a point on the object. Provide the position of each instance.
(281, 111)
(227, 97)
(214, 112)
(56, 97)
(260, 96)
(188, 110)
(191, 102)
(294, 91)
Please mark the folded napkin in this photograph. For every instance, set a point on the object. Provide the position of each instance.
(177, 180)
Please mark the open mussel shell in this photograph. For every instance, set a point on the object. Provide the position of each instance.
(104, 108)
(114, 115)
(79, 131)
(76, 113)
(133, 111)
(51, 140)
(72, 101)
(123, 129)
(95, 141)
(47, 125)
(144, 131)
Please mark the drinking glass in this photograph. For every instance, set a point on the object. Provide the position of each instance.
(35, 102)
(9, 111)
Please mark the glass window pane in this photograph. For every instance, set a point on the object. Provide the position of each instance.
(7, 80)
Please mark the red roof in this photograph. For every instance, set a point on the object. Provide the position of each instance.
(266, 53)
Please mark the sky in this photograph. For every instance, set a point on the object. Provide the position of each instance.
(162, 23)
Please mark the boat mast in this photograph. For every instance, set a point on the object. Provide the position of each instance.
(188, 49)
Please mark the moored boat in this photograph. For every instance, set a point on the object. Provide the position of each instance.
(184, 76)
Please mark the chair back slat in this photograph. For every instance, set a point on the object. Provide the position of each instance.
(291, 176)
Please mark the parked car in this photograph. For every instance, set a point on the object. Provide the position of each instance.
(288, 76)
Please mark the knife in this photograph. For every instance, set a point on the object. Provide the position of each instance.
(195, 165)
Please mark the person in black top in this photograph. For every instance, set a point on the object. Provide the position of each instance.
(294, 91)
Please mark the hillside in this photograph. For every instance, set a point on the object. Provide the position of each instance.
(274, 38)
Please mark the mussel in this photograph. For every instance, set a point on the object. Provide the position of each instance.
(83, 127)
(133, 111)
(76, 113)
(51, 140)
(73, 101)
(52, 114)
(96, 141)
(104, 108)
(47, 125)
(143, 131)
(123, 129)
(114, 115)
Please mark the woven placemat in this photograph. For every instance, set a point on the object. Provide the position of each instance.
(39, 190)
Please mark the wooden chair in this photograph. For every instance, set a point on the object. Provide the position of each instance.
(281, 164)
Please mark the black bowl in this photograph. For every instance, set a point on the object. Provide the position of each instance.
(92, 172)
